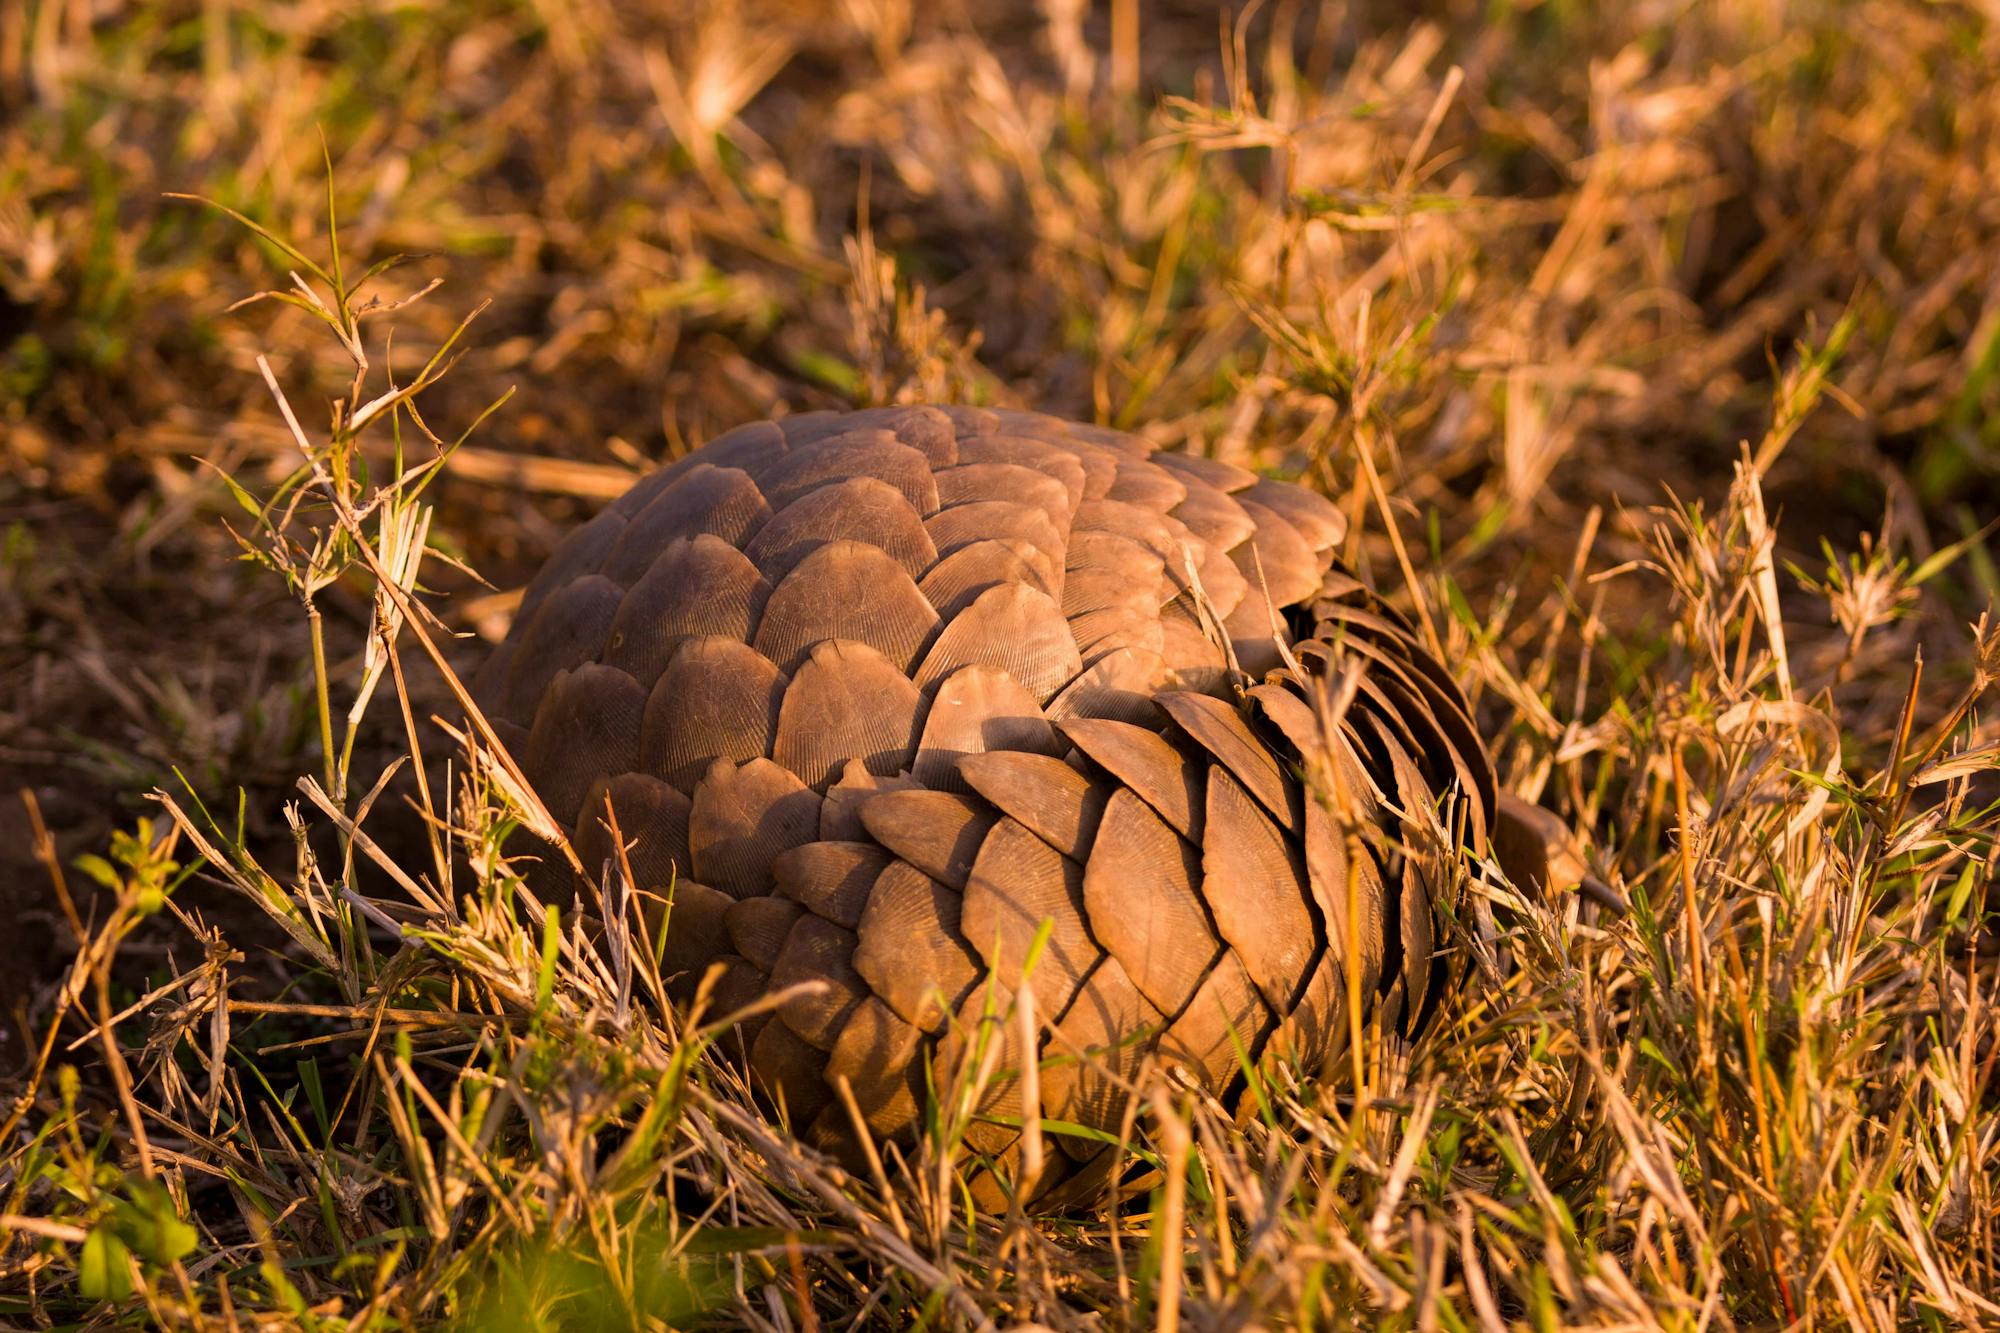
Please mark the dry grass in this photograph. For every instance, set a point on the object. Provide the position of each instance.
(1672, 330)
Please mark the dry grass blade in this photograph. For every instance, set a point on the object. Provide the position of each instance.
(1698, 311)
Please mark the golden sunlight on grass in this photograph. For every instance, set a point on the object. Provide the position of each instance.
(1651, 349)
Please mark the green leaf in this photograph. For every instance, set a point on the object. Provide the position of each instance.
(1961, 892)
(1651, 1051)
(282, 1288)
(381, 266)
(1043, 933)
(98, 869)
(545, 979)
(290, 251)
(332, 223)
(308, 1071)
(102, 1273)
(246, 501)
(150, 1225)
(828, 369)
(1943, 558)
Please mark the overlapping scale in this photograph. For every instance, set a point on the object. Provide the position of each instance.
(1141, 891)
(696, 587)
(1253, 880)
(742, 818)
(1012, 627)
(652, 820)
(940, 833)
(717, 699)
(845, 590)
(816, 965)
(847, 702)
(830, 878)
(917, 714)
(568, 629)
(860, 509)
(851, 453)
(721, 501)
(978, 709)
(971, 483)
(1103, 1038)
(911, 949)
(588, 725)
(580, 554)
(1036, 536)
(1019, 888)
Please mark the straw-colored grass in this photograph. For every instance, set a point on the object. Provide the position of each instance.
(1671, 333)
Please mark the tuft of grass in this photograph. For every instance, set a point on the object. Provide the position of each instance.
(1655, 352)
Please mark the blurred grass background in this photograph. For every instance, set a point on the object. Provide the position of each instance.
(1554, 254)
(1549, 264)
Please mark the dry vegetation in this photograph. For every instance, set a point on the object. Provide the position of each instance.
(1671, 329)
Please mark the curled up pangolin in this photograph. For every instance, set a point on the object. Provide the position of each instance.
(878, 698)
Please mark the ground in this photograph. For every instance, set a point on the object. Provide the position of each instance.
(1670, 331)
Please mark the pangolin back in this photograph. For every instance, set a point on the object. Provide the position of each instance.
(880, 697)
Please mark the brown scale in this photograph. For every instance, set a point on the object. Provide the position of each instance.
(697, 586)
(1274, 556)
(857, 453)
(858, 509)
(1215, 519)
(940, 833)
(847, 702)
(1024, 914)
(916, 710)
(587, 726)
(693, 917)
(743, 817)
(718, 500)
(1213, 473)
(717, 699)
(840, 812)
(656, 841)
(817, 951)
(955, 580)
(1118, 686)
(1141, 890)
(876, 1056)
(747, 447)
(1195, 652)
(972, 483)
(1036, 535)
(1222, 585)
(911, 949)
(1319, 523)
(1099, 1045)
(1220, 729)
(832, 879)
(1106, 629)
(1109, 567)
(1012, 626)
(978, 709)
(1145, 763)
(759, 926)
(580, 553)
(1147, 485)
(1222, 1026)
(843, 590)
(1058, 804)
(568, 629)
(1253, 881)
